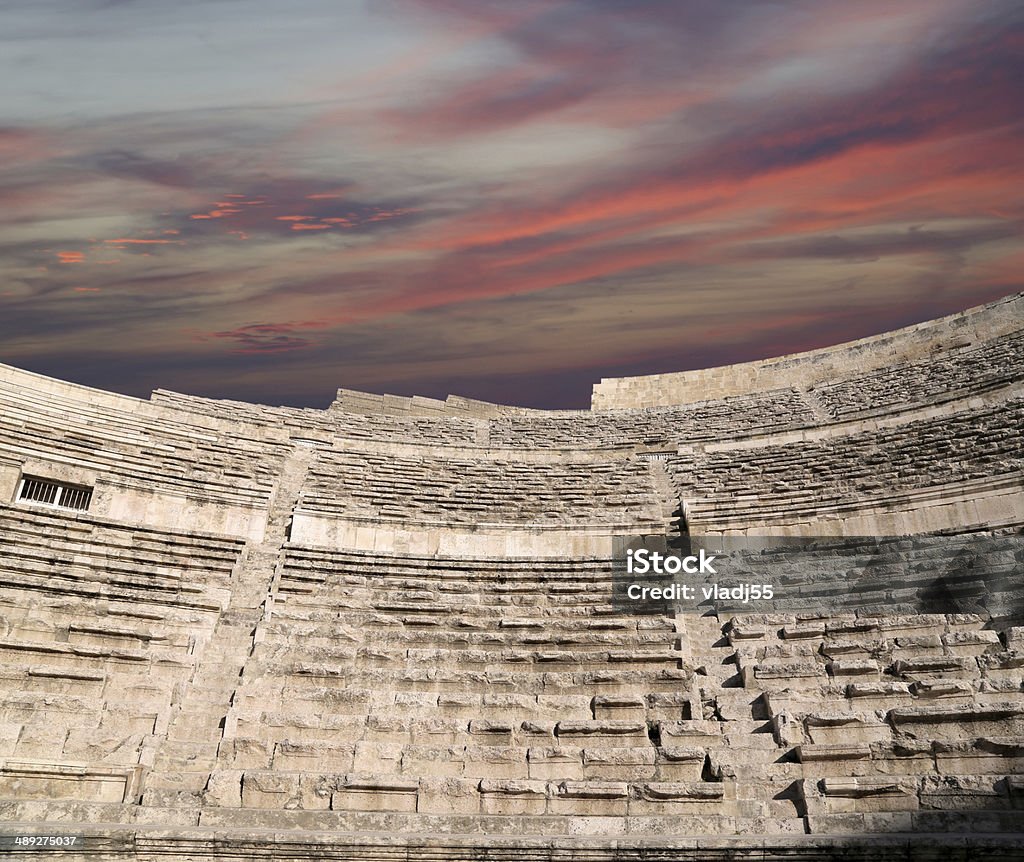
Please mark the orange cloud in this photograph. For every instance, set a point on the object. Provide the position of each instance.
(384, 215)
(223, 212)
(127, 241)
(70, 256)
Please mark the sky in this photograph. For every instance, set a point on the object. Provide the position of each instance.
(500, 199)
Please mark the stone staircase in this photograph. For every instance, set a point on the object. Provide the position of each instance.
(184, 761)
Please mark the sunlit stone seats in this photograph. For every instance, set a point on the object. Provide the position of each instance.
(142, 450)
(969, 370)
(763, 413)
(99, 623)
(837, 476)
(657, 426)
(391, 628)
(494, 702)
(865, 748)
(66, 554)
(299, 422)
(452, 490)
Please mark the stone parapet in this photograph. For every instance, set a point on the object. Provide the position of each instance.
(958, 331)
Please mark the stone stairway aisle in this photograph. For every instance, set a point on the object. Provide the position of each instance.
(183, 760)
(668, 500)
(689, 630)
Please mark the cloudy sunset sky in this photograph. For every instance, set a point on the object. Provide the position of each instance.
(502, 199)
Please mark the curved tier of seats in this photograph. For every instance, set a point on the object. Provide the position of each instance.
(957, 371)
(830, 477)
(528, 429)
(940, 351)
(428, 694)
(132, 447)
(965, 371)
(299, 422)
(100, 627)
(453, 490)
(657, 427)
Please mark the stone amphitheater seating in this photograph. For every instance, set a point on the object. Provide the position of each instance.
(145, 451)
(967, 369)
(659, 427)
(971, 370)
(318, 675)
(462, 490)
(100, 623)
(753, 486)
(491, 690)
(365, 426)
(469, 686)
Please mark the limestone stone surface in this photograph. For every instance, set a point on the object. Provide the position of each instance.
(390, 629)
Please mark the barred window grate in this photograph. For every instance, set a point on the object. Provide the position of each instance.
(43, 492)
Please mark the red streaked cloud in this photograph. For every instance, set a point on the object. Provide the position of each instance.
(215, 213)
(528, 188)
(131, 241)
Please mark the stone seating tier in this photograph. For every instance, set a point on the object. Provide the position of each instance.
(968, 370)
(947, 374)
(101, 625)
(658, 427)
(356, 702)
(453, 490)
(570, 429)
(755, 482)
(906, 351)
(350, 425)
(147, 452)
(364, 695)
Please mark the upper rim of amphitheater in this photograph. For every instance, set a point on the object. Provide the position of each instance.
(977, 323)
(805, 368)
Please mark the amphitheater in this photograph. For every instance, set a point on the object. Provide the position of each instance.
(388, 630)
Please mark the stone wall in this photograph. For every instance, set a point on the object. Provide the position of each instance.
(958, 331)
